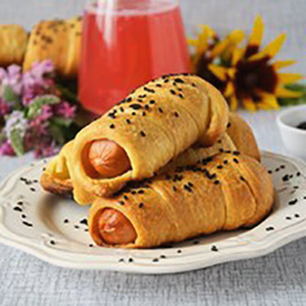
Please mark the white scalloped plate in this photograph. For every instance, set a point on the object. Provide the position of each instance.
(55, 229)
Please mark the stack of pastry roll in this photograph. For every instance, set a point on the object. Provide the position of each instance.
(56, 40)
(166, 164)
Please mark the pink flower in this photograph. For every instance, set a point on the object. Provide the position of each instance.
(12, 77)
(46, 150)
(6, 149)
(4, 108)
(65, 109)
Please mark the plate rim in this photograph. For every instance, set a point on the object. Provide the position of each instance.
(281, 238)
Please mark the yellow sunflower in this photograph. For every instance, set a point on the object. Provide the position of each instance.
(247, 74)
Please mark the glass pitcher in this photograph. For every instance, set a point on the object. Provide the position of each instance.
(126, 43)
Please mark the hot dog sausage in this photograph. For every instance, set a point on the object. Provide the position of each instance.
(108, 158)
(115, 228)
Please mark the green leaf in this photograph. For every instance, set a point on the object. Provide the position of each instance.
(299, 87)
(36, 105)
(66, 122)
(10, 96)
(17, 142)
(57, 133)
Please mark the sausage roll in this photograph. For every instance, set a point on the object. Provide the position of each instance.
(141, 134)
(13, 44)
(226, 192)
(59, 41)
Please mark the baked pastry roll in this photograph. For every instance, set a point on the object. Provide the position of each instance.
(226, 192)
(13, 44)
(59, 41)
(239, 137)
(149, 128)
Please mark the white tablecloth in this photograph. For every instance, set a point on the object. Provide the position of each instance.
(276, 279)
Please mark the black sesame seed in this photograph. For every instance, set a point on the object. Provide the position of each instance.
(236, 153)
(176, 114)
(181, 96)
(162, 256)
(142, 96)
(158, 85)
(179, 251)
(216, 182)
(76, 227)
(128, 121)
(190, 184)
(270, 228)
(152, 102)
(19, 203)
(229, 125)
(84, 221)
(66, 221)
(133, 192)
(298, 173)
(112, 126)
(17, 208)
(174, 188)
(193, 85)
(282, 166)
(135, 106)
(270, 171)
(242, 178)
(125, 197)
(293, 202)
(128, 99)
(186, 187)
(121, 109)
(160, 110)
(23, 216)
(133, 114)
(52, 242)
(178, 80)
(214, 248)
(288, 218)
(121, 260)
(296, 187)
(142, 133)
(286, 178)
(225, 162)
(91, 245)
(221, 150)
(155, 260)
(121, 202)
(147, 107)
(141, 205)
(27, 224)
(149, 90)
(236, 160)
(141, 192)
(277, 169)
(219, 167)
(172, 92)
(131, 259)
(296, 215)
(144, 113)
(32, 189)
(196, 242)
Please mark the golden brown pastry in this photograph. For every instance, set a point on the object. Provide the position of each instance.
(150, 127)
(59, 41)
(56, 177)
(13, 43)
(226, 192)
(239, 131)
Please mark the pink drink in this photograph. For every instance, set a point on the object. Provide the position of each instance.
(127, 47)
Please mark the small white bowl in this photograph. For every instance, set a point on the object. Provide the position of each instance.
(293, 138)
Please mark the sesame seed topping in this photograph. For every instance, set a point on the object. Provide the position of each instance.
(160, 110)
(236, 160)
(128, 121)
(135, 106)
(112, 126)
(152, 102)
(172, 92)
(176, 114)
(133, 114)
(217, 182)
(141, 205)
(142, 133)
